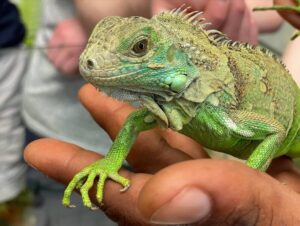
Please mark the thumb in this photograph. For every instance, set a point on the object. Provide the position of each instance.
(158, 6)
(216, 192)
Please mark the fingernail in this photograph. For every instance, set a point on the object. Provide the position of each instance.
(189, 206)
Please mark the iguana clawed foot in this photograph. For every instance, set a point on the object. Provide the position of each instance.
(84, 180)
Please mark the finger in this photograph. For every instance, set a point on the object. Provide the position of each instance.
(222, 192)
(182, 142)
(248, 30)
(60, 59)
(235, 15)
(150, 152)
(216, 12)
(64, 152)
(57, 51)
(292, 17)
(52, 49)
(70, 67)
(101, 106)
(285, 171)
(61, 161)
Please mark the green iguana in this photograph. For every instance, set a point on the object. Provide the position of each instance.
(230, 97)
(295, 9)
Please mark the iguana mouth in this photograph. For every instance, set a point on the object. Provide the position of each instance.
(129, 95)
(114, 87)
(105, 75)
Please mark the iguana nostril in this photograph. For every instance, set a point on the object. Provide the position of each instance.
(90, 64)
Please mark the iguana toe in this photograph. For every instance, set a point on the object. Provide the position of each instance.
(84, 181)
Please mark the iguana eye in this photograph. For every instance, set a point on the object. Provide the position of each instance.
(140, 48)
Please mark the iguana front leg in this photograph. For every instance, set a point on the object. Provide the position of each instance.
(238, 132)
(253, 126)
(109, 166)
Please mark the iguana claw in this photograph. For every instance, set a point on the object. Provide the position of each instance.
(94, 208)
(125, 188)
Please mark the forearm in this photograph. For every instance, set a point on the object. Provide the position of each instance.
(267, 21)
(291, 59)
(91, 11)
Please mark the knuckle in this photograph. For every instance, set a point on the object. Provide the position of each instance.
(240, 7)
(118, 111)
(238, 217)
(69, 164)
(218, 19)
(251, 215)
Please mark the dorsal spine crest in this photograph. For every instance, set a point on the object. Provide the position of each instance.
(217, 37)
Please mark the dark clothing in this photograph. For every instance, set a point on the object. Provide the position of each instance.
(12, 31)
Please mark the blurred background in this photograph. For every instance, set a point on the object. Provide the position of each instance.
(40, 42)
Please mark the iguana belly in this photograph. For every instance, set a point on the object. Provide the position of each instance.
(218, 138)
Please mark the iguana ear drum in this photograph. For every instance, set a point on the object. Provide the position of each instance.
(171, 53)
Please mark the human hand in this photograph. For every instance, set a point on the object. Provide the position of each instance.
(90, 12)
(290, 16)
(231, 17)
(174, 181)
(65, 46)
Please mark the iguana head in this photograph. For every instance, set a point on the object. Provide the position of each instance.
(133, 57)
(168, 57)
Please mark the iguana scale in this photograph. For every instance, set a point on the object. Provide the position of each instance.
(230, 97)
